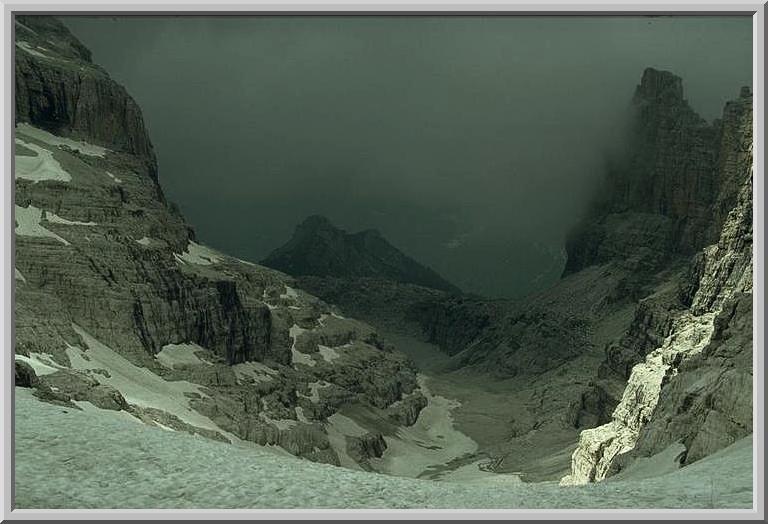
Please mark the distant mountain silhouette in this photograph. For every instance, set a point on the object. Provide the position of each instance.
(319, 248)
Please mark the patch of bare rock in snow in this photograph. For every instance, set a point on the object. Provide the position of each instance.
(314, 390)
(41, 363)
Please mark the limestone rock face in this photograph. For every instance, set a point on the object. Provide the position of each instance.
(24, 375)
(119, 305)
(671, 194)
(695, 387)
(58, 88)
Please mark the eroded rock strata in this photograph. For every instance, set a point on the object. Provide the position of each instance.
(119, 305)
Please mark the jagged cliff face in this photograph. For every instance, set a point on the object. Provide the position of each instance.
(117, 304)
(669, 196)
(58, 88)
(688, 353)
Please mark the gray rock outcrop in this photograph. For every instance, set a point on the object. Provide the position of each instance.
(694, 387)
(119, 305)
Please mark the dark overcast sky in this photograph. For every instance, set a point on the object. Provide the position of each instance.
(472, 143)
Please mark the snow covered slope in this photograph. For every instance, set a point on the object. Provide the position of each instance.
(66, 458)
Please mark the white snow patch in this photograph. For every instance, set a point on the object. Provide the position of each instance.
(289, 293)
(138, 385)
(297, 357)
(172, 355)
(25, 27)
(21, 44)
(51, 217)
(44, 136)
(246, 262)
(41, 363)
(113, 177)
(144, 241)
(28, 224)
(163, 426)
(40, 167)
(18, 276)
(300, 415)
(198, 254)
(254, 371)
(406, 454)
(336, 315)
(328, 354)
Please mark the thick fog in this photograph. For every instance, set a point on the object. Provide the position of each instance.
(472, 143)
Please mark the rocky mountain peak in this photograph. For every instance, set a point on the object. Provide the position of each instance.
(658, 201)
(659, 86)
(319, 248)
(52, 34)
(59, 90)
(316, 226)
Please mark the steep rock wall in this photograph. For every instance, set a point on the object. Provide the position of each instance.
(696, 386)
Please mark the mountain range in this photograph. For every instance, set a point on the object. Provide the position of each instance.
(643, 348)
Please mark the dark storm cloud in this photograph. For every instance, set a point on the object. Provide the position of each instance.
(441, 132)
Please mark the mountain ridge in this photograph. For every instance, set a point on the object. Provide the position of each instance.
(319, 248)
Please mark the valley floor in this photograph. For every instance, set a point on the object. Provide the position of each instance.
(67, 458)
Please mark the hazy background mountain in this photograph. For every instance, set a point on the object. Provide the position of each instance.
(471, 143)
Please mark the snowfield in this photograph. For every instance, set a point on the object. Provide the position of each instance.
(408, 456)
(28, 224)
(139, 385)
(40, 167)
(93, 458)
(56, 219)
(172, 355)
(198, 254)
(21, 44)
(44, 136)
